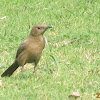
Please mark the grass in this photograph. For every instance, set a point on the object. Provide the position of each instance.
(65, 66)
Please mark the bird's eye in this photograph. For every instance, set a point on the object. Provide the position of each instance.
(38, 28)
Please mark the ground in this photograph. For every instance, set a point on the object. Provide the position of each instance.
(71, 60)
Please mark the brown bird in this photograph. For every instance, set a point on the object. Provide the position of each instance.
(30, 49)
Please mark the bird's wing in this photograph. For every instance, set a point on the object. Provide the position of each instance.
(21, 48)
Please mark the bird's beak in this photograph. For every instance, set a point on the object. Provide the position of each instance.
(48, 27)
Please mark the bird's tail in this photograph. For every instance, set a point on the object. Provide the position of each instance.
(10, 70)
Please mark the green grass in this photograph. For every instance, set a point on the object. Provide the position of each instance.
(75, 64)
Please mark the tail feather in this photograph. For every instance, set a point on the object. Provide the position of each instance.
(11, 69)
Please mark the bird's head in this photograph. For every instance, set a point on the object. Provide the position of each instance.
(39, 29)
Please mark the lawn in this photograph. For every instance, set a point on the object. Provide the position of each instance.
(71, 60)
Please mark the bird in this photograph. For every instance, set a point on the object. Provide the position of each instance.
(30, 50)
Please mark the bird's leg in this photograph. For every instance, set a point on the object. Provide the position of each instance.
(35, 70)
(22, 69)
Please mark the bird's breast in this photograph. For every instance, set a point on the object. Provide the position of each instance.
(36, 47)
